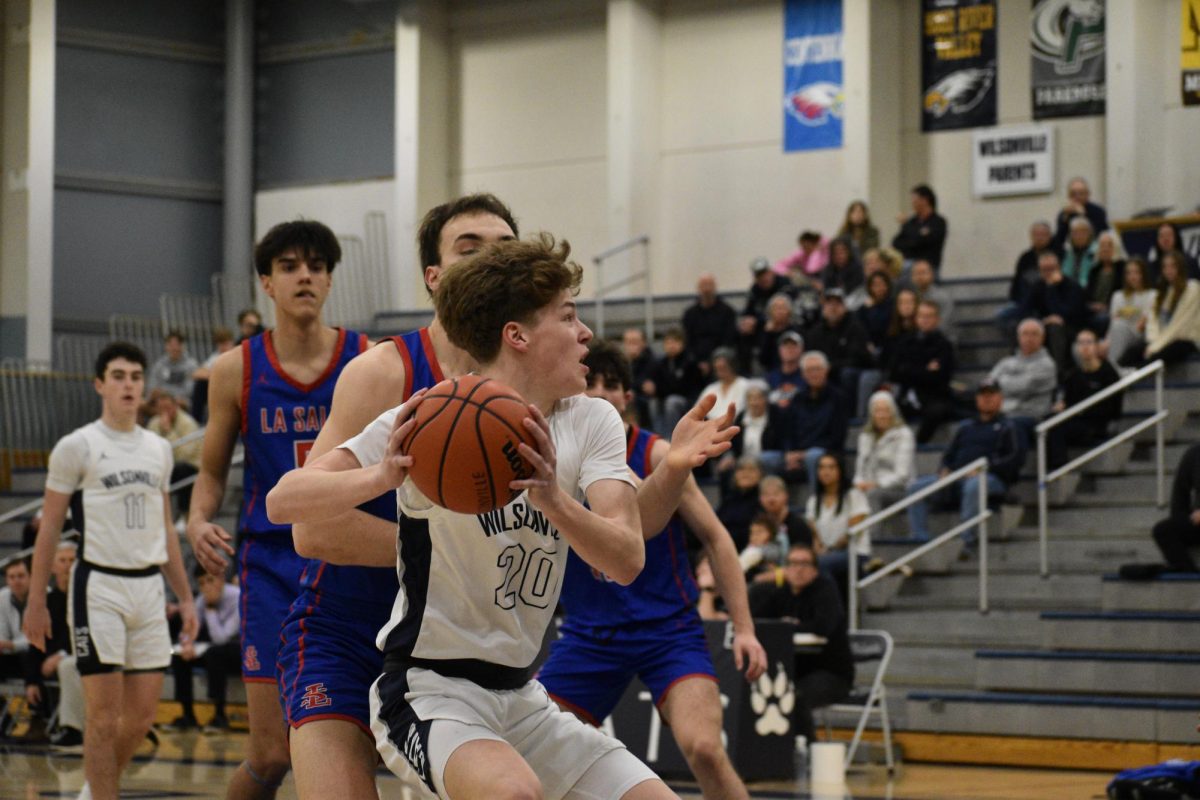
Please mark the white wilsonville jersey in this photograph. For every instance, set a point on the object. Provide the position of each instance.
(483, 588)
(117, 479)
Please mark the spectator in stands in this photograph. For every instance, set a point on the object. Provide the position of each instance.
(1128, 311)
(642, 364)
(843, 341)
(1173, 328)
(831, 512)
(1107, 274)
(174, 424)
(1079, 254)
(904, 321)
(12, 609)
(807, 262)
(886, 447)
(1026, 274)
(843, 270)
(42, 664)
(1181, 529)
(810, 600)
(883, 259)
(922, 277)
(222, 343)
(988, 435)
(922, 235)
(1027, 378)
(788, 524)
(1079, 204)
(739, 501)
(875, 313)
(729, 387)
(30, 530)
(787, 378)
(1167, 239)
(817, 420)
(58, 660)
(1060, 305)
(922, 365)
(709, 323)
(763, 435)
(1091, 374)
(780, 320)
(173, 370)
(766, 285)
(249, 324)
(858, 229)
(676, 384)
(216, 648)
(765, 551)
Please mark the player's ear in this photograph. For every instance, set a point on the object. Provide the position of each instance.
(432, 275)
(628, 396)
(265, 282)
(514, 335)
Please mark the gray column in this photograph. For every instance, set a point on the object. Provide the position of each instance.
(239, 156)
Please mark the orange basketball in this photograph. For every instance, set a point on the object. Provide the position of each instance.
(464, 444)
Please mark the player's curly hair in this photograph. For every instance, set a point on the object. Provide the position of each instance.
(504, 282)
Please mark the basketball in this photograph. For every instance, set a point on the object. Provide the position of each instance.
(464, 444)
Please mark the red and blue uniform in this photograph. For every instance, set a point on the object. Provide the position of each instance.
(328, 659)
(281, 418)
(612, 633)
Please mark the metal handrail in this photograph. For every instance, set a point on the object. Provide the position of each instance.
(1045, 478)
(603, 289)
(979, 465)
(36, 505)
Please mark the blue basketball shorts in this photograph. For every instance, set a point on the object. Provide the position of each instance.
(328, 659)
(269, 573)
(589, 668)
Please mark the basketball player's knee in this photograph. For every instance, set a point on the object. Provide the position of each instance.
(269, 762)
(104, 727)
(703, 752)
(516, 787)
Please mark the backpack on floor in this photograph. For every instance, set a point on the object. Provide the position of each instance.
(1170, 780)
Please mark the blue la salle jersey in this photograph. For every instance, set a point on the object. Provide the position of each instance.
(281, 418)
(379, 585)
(665, 586)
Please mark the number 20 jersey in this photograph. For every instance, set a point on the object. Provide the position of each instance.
(482, 588)
(281, 418)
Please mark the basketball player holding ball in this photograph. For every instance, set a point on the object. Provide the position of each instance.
(456, 706)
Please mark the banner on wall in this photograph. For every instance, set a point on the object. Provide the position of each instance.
(1012, 160)
(813, 95)
(1067, 42)
(958, 64)
(1189, 52)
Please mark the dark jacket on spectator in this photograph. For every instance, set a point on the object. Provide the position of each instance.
(1080, 385)
(1064, 298)
(56, 604)
(1026, 273)
(678, 375)
(998, 440)
(738, 507)
(777, 377)
(774, 435)
(818, 421)
(817, 609)
(756, 297)
(922, 240)
(875, 321)
(768, 346)
(1185, 490)
(910, 357)
(708, 328)
(844, 346)
(847, 278)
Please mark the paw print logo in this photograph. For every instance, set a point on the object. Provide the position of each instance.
(772, 699)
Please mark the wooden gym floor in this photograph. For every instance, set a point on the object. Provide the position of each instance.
(194, 765)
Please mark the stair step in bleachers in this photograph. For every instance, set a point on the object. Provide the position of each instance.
(28, 480)
(1019, 590)
(1171, 591)
(937, 626)
(12, 500)
(932, 666)
(1094, 716)
(1059, 493)
(1075, 554)
(1092, 671)
(1128, 631)
(937, 561)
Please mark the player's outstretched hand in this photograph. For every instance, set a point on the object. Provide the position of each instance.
(209, 540)
(37, 625)
(749, 655)
(696, 439)
(395, 464)
(543, 483)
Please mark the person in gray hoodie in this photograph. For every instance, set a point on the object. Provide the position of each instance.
(1027, 378)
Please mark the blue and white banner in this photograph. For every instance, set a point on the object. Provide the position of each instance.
(813, 95)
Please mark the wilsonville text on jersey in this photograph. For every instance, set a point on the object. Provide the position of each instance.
(523, 516)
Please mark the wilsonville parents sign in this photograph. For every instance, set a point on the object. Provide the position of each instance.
(1017, 159)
